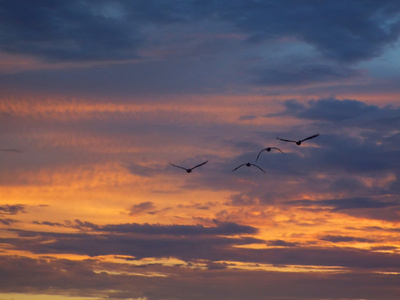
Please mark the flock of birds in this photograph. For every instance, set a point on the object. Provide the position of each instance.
(248, 164)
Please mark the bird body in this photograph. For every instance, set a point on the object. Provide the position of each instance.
(269, 150)
(299, 141)
(247, 165)
(189, 170)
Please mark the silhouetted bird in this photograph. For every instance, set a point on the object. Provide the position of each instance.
(191, 169)
(247, 165)
(299, 141)
(268, 149)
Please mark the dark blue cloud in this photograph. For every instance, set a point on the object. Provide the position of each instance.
(345, 239)
(7, 221)
(82, 278)
(14, 209)
(65, 31)
(300, 75)
(348, 203)
(340, 30)
(197, 247)
(381, 122)
(336, 110)
(111, 30)
(331, 109)
(185, 243)
(220, 228)
(281, 243)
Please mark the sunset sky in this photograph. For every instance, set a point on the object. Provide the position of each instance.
(98, 98)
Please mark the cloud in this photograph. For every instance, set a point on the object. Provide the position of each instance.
(145, 171)
(220, 228)
(115, 281)
(57, 31)
(345, 239)
(14, 150)
(339, 30)
(281, 243)
(198, 247)
(7, 221)
(346, 112)
(192, 243)
(303, 74)
(348, 203)
(360, 207)
(141, 208)
(12, 209)
(113, 30)
(329, 109)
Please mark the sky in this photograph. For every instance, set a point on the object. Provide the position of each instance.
(99, 98)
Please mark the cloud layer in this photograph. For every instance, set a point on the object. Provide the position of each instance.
(99, 97)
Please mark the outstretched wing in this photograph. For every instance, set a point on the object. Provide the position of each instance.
(200, 164)
(238, 167)
(286, 140)
(277, 149)
(260, 153)
(310, 137)
(178, 167)
(258, 167)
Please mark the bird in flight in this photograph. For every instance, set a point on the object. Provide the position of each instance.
(247, 165)
(268, 149)
(191, 169)
(299, 141)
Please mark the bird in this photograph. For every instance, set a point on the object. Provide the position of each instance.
(190, 169)
(299, 141)
(268, 149)
(247, 165)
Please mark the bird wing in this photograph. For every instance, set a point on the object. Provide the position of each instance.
(238, 167)
(260, 153)
(200, 164)
(310, 137)
(277, 149)
(178, 167)
(286, 140)
(258, 167)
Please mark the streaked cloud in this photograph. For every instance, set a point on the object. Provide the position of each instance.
(98, 97)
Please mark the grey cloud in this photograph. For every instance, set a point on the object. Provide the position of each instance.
(247, 117)
(53, 224)
(145, 171)
(343, 112)
(140, 245)
(199, 247)
(109, 30)
(300, 75)
(7, 221)
(347, 203)
(345, 239)
(359, 207)
(58, 31)
(141, 208)
(190, 230)
(67, 277)
(281, 243)
(340, 30)
(329, 109)
(336, 110)
(12, 209)
(220, 228)
(14, 150)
